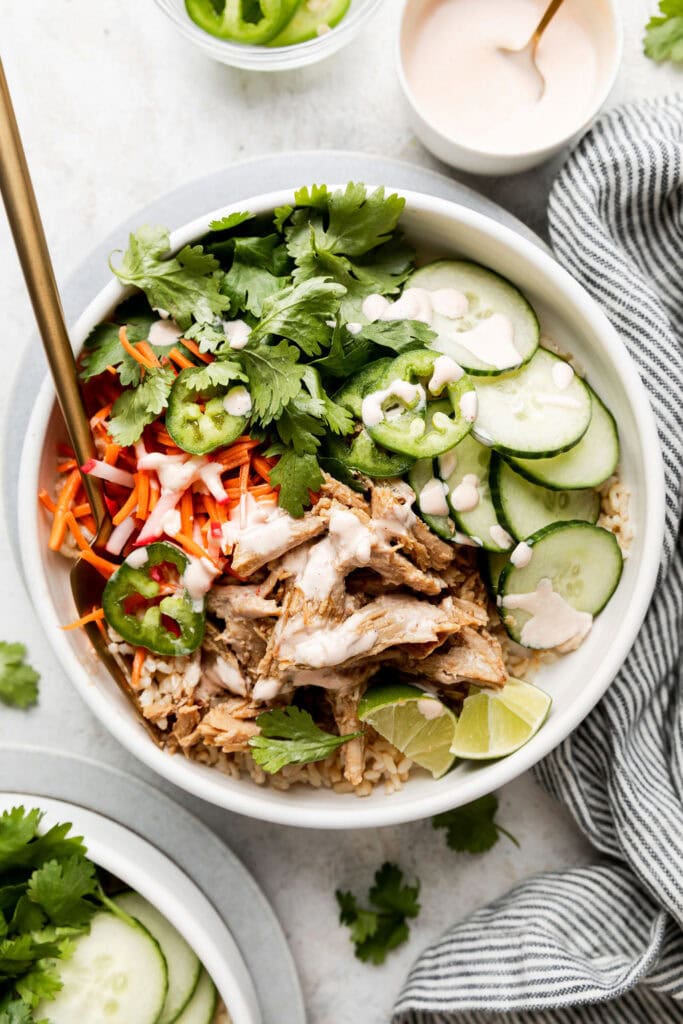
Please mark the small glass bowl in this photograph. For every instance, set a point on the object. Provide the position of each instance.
(275, 58)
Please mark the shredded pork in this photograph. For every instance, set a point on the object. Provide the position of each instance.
(356, 588)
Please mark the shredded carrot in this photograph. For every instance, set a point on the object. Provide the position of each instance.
(142, 485)
(138, 662)
(244, 476)
(76, 532)
(262, 467)
(179, 359)
(163, 437)
(187, 513)
(103, 630)
(111, 453)
(103, 566)
(67, 466)
(128, 507)
(100, 415)
(133, 351)
(96, 615)
(81, 510)
(148, 352)
(193, 347)
(90, 524)
(192, 547)
(231, 460)
(154, 491)
(46, 501)
(260, 491)
(64, 502)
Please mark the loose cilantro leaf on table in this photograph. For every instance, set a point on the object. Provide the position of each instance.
(290, 736)
(664, 33)
(186, 285)
(472, 828)
(375, 932)
(136, 408)
(18, 681)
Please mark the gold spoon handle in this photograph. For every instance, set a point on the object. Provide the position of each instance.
(550, 12)
(29, 239)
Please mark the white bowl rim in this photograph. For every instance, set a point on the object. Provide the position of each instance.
(533, 151)
(151, 872)
(255, 801)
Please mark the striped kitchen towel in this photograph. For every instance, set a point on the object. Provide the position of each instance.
(604, 943)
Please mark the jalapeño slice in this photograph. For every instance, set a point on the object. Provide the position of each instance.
(147, 603)
(201, 421)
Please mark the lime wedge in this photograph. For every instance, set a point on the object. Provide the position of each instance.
(493, 723)
(417, 723)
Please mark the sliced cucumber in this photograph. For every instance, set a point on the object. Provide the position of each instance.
(418, 477)
(583, 564)
(481, 522)
(201, 1009)
(117, 974)
(525, 413)
(183, 963)
(491, 565)
(524, 508)
(487, 293)
(588, 464)
(311, 19)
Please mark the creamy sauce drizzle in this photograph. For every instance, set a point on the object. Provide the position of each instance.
(448, 463)
(347, 545)
(412, 396)
(465, 497)
(136, 559)
(417, 304)
(324, 647)
(237, 402)
(492, 341)
(432, 498)
(430, 708)
(164, 332)
(521, 556)
(445, 371)
(553, 621)
(237, 332)
(563, 375)
(469, 406)
(260, 525)
(198, 578)
(500, 536)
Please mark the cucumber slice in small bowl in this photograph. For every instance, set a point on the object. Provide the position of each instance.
(201, 1008)
(588, 464)
(524, 508)
(422, 475)
(470, 461)
(183, 964)
(574, 569)
(488, 295)
(117, 974)
(527, 414)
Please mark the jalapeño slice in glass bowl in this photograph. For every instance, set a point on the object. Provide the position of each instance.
(148, 603)
(405, 412)
(200, 420)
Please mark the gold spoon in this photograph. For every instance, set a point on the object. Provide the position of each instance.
(525, 56)
(29, 238)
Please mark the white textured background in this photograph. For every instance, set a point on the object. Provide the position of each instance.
(116, 109)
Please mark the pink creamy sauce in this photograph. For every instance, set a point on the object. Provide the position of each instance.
(477, 96)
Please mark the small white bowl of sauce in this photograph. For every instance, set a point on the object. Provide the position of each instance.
(480, 111)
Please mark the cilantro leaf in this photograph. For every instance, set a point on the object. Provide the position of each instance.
(260, 268)
(137, 407)
(61, 889)
(210, 337)
(40, 983)
(220, 373)
(299, 313)
(398, 335)
(472, 828)
(347, 354)
(19, 954)
(18, 681)
(17, 828)
(16, 1012)
(299, 430)
(297, 476)
(290, 736)
(319, 404)
(274, 377)
(232, 220)
(376, 932)
(356, 221)
(186, 285)
(664, 33)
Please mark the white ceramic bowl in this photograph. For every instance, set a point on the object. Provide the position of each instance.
(453, 151)
(272, 58)
(576, 682)
(144, 868)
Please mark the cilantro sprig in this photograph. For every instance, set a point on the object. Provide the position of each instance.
(472, 828)
(376, 930)
(664, 33)
(18, 681)
(290, 736)
(49, 892)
